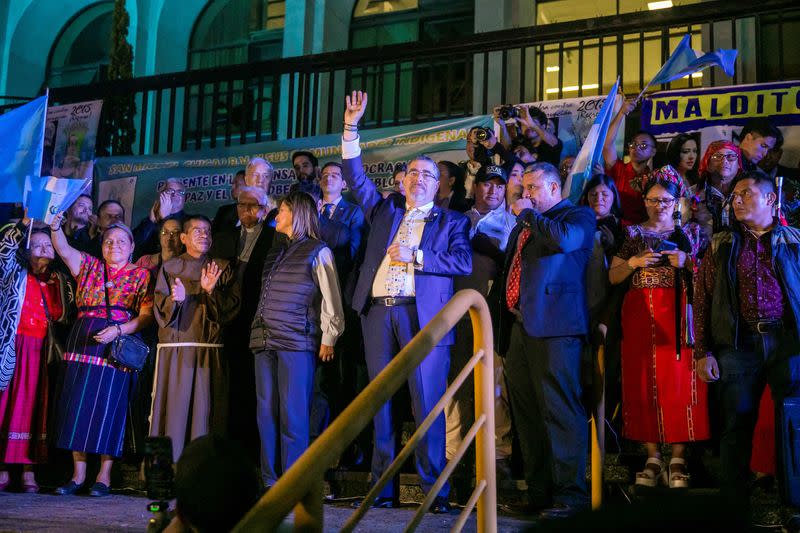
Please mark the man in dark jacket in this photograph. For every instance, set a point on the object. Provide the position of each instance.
(747, 303)
(545, 320)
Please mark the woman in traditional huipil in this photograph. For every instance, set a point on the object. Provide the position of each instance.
(94, 402)
(38, 292)
(663, 400)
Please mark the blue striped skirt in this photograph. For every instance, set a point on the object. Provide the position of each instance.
(94, 401)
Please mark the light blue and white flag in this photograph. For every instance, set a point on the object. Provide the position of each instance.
(591, 151)
(22, 134)
(48, 195)
(685, 61)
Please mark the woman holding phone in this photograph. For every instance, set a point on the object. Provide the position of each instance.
(663, 400)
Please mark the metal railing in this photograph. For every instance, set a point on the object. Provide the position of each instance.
(417, 82)
(300, 488)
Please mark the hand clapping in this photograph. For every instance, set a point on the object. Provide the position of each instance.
(209, 276)
(178, 290)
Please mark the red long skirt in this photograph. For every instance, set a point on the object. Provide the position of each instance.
(663, 399)
(23, 406)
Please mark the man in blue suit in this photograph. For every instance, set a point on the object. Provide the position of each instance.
(413, 248)
(542, 331)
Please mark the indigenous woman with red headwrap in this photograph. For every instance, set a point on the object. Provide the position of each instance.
(710, 197)
(663, 400)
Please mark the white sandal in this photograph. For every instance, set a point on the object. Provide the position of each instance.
(678, 480)
(650, 477)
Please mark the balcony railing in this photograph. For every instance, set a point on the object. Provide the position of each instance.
(414, 82)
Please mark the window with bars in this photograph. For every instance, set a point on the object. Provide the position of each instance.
(80, 54)
(227, 32)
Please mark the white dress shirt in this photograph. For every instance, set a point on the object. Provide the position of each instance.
(379, 284)
(350, 150)
(331, 312)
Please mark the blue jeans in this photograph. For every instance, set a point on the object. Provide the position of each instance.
(744, 372)
(284, 384)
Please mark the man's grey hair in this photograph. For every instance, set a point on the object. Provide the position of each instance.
(259, 194)
(548, 171)
(427, 159)
(260, 161)
(172, 181)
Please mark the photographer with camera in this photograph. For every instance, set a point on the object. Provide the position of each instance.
(543, 145)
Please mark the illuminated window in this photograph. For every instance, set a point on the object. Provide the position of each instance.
(232, 32)
(553, 11)
(366, 8)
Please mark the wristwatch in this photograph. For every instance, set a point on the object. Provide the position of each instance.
(418, 258)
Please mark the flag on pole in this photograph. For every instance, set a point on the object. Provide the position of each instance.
(22, 134)
(591, 151)
(685, 61)
(48, 195)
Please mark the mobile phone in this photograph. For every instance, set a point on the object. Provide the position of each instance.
(666, 246)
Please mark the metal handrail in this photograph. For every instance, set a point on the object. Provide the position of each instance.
(300, 488)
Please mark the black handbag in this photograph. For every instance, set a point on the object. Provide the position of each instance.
(128, 351)
(53, 344)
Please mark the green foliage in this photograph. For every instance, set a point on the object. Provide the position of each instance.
(119, 106)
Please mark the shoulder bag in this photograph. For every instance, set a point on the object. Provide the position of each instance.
(128, 351)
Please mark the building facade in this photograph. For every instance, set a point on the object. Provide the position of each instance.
(216, 72)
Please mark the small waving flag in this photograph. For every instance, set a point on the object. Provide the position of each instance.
(592, 149)
(685, 61)
(22, 134)
(48, 195)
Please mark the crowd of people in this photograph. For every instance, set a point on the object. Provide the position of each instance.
(275, 313)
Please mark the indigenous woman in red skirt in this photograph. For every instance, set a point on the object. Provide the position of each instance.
(663, 400)
(23, 405)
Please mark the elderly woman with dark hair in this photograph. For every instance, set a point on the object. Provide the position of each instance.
(299, 318)
(33, 295)
(94, 401)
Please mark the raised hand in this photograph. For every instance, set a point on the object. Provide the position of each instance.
(164, 205)
(55, 224)
(209, 276)
(356, 105)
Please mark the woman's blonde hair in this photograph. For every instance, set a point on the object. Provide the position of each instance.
(305, 216)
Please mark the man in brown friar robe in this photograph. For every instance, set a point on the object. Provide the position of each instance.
(195, 297)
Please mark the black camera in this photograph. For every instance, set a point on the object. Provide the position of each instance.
(159, 477)
(482, 134)
(507, 112)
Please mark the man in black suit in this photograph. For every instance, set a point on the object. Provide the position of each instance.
(352, 367)
(542, 331)
(247, 246)
(227, 217)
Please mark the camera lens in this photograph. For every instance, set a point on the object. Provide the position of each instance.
(482, 134)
